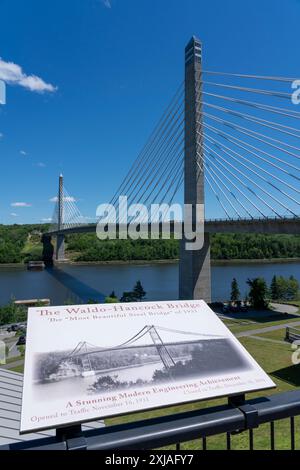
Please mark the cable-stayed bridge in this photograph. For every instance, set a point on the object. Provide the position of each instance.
(231, 152)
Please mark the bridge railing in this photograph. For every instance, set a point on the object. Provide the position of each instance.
(252, 417)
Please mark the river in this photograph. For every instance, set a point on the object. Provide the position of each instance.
(76, 284)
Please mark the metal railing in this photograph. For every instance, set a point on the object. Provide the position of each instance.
(238, 416)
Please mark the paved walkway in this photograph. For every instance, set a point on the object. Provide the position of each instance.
(266, 329)
(283, 308)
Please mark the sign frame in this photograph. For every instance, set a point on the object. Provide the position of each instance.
(165, 311)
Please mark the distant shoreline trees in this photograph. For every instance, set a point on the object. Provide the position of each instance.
(20, 243)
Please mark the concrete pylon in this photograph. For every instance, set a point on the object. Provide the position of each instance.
(194, 265)
(60, 238)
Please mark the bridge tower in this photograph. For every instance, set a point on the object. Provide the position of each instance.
(60, 238)
(164, 354)
(194, 265)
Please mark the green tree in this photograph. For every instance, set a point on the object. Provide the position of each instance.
(128, 297)
(235, 292)
(274, 289)
(282, 285)
(139, 292)
(258, 293)
(111, 300)
(292, 288)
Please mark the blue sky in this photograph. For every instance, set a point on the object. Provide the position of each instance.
(108, 69)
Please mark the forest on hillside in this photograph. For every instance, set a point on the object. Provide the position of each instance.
(223, 247)
(20, 243)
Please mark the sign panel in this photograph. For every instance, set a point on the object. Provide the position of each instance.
(89, 362)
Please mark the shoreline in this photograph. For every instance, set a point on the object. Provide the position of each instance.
(157, 262)
(176, 261)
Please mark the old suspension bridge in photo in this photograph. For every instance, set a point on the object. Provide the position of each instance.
(83, 352)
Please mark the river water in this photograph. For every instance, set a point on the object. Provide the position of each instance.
(77, 284)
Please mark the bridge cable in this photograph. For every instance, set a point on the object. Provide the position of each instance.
(214, 164)
(211, 174)
(274, 93)
(247, 131)
(257, 120)
(156, 144)
(212, 153)
(161, 131)
(239, 128)
(216, 194)
(227, 136)
(264, 179)
(176, 170)
(133, 194)
(249, 179)
(259, 77)
(222, 147)
(252, 104)
(158, 180)
(153, 136)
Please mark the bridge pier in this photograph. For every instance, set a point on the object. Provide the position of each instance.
(48, 250)
(60, 238)
(195, 272)
(60, 247)
(194, 265)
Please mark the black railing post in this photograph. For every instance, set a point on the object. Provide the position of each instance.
(73, 436)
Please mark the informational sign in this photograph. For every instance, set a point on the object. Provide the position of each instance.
(88, 362)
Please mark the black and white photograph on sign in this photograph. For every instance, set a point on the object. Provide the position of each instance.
(121, 358)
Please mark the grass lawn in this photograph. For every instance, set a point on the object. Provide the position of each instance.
(13, 359)
(239, 327)
(18, 369)
(279, 335)
(275, 359)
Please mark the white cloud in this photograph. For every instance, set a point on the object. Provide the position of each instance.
(66, 199)
(41, 165)
(22, 152)
(107, 3)
(13, 214)
(13, 74)
(20, 204)
(47, 220)
(1, 135)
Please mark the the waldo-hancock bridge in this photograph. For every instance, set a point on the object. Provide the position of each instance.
(82, 353)
(232, 138)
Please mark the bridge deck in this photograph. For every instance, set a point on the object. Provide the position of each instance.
(268, 226)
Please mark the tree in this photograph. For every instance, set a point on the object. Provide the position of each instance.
(139, 292)
(284, 289)
(113, 295)
(111, 300)
(128, 297)
(92, 302)
(292, 288)
(274, 289)
(258, 293)
(235, 292)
